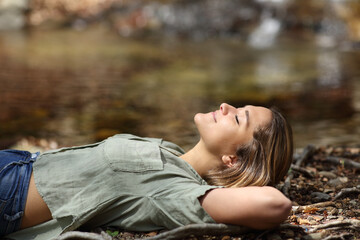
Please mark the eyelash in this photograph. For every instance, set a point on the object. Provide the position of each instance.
(237, 119)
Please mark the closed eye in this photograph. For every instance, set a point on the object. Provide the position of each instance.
(237, 119)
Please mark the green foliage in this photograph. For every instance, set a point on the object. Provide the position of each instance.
(112, 233)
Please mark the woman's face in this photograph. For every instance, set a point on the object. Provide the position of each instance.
(223, 130)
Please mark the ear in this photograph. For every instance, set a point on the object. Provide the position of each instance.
(229, 160)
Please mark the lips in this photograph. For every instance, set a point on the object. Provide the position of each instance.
(214, 116)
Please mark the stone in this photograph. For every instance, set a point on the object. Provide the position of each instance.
(343, 179)
(353, 202)
(127, 235)
(334, 182)
(151, 234)
(314, 236)
(333, 211)
(320, 197)
(327, 174)
(273, 236)
(328, 190)
(289, 233)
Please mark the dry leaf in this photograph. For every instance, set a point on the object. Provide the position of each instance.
(310, 210)
(303, 221)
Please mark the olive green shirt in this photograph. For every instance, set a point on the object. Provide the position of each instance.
(126, 181)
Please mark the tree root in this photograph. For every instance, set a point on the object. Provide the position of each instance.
(299, 209)
(291, 226)
(302, 171)
(346, 192)
(76, 235)
(287, 184)
(343, 161)
(349, 223)
(339, 237)
(199, 230)
(308, 151)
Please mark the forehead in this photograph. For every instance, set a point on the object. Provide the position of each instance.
(258, 116)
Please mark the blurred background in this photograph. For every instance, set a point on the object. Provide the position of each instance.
(80, 71)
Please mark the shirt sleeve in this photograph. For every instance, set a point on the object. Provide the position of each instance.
(182, 207)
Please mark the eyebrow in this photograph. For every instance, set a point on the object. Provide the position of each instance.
(247, 117)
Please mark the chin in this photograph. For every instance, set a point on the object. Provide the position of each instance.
(198, 118)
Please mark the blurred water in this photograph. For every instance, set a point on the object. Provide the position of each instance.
(79, 87)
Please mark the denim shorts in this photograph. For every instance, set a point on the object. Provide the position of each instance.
(15, 173)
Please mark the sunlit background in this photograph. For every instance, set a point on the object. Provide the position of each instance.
(80, 71)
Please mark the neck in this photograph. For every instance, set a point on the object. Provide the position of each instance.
(201, 159)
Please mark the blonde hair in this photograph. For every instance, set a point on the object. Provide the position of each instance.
(263, 161)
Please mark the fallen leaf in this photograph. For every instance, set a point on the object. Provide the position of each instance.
(310, 210)
(302, 221)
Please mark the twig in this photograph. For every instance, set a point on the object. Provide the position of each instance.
(199, 230)
(262, 234)
(303, 171)
(346, 192)
(290, 226)
(343, 161)
(339, 237)
(299, 209)
(76, 235)
(287, 184)
(352, 223)
(307, 152)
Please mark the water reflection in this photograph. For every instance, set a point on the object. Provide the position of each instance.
(272, 71)
(329, 69)
(82, 87)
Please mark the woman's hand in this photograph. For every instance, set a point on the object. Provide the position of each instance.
(255, 207)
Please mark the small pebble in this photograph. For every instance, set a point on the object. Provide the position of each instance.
(335, 182)
(151, 234)
(127, 234)
(343, 179)
(289, 233)
(320, 197)
(350, 213)
(314, 236)
(334, 211)
(353, 202)
(328, 190)
(273, 236)
(327, 174)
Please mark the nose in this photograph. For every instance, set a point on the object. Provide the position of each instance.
(225, 108)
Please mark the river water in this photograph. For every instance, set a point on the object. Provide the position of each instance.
(83, 86)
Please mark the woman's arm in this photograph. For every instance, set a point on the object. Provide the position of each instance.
(255, 207)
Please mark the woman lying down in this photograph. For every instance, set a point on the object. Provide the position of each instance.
(147, 184)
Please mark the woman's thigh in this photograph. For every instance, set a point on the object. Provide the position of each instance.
(15, 172)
